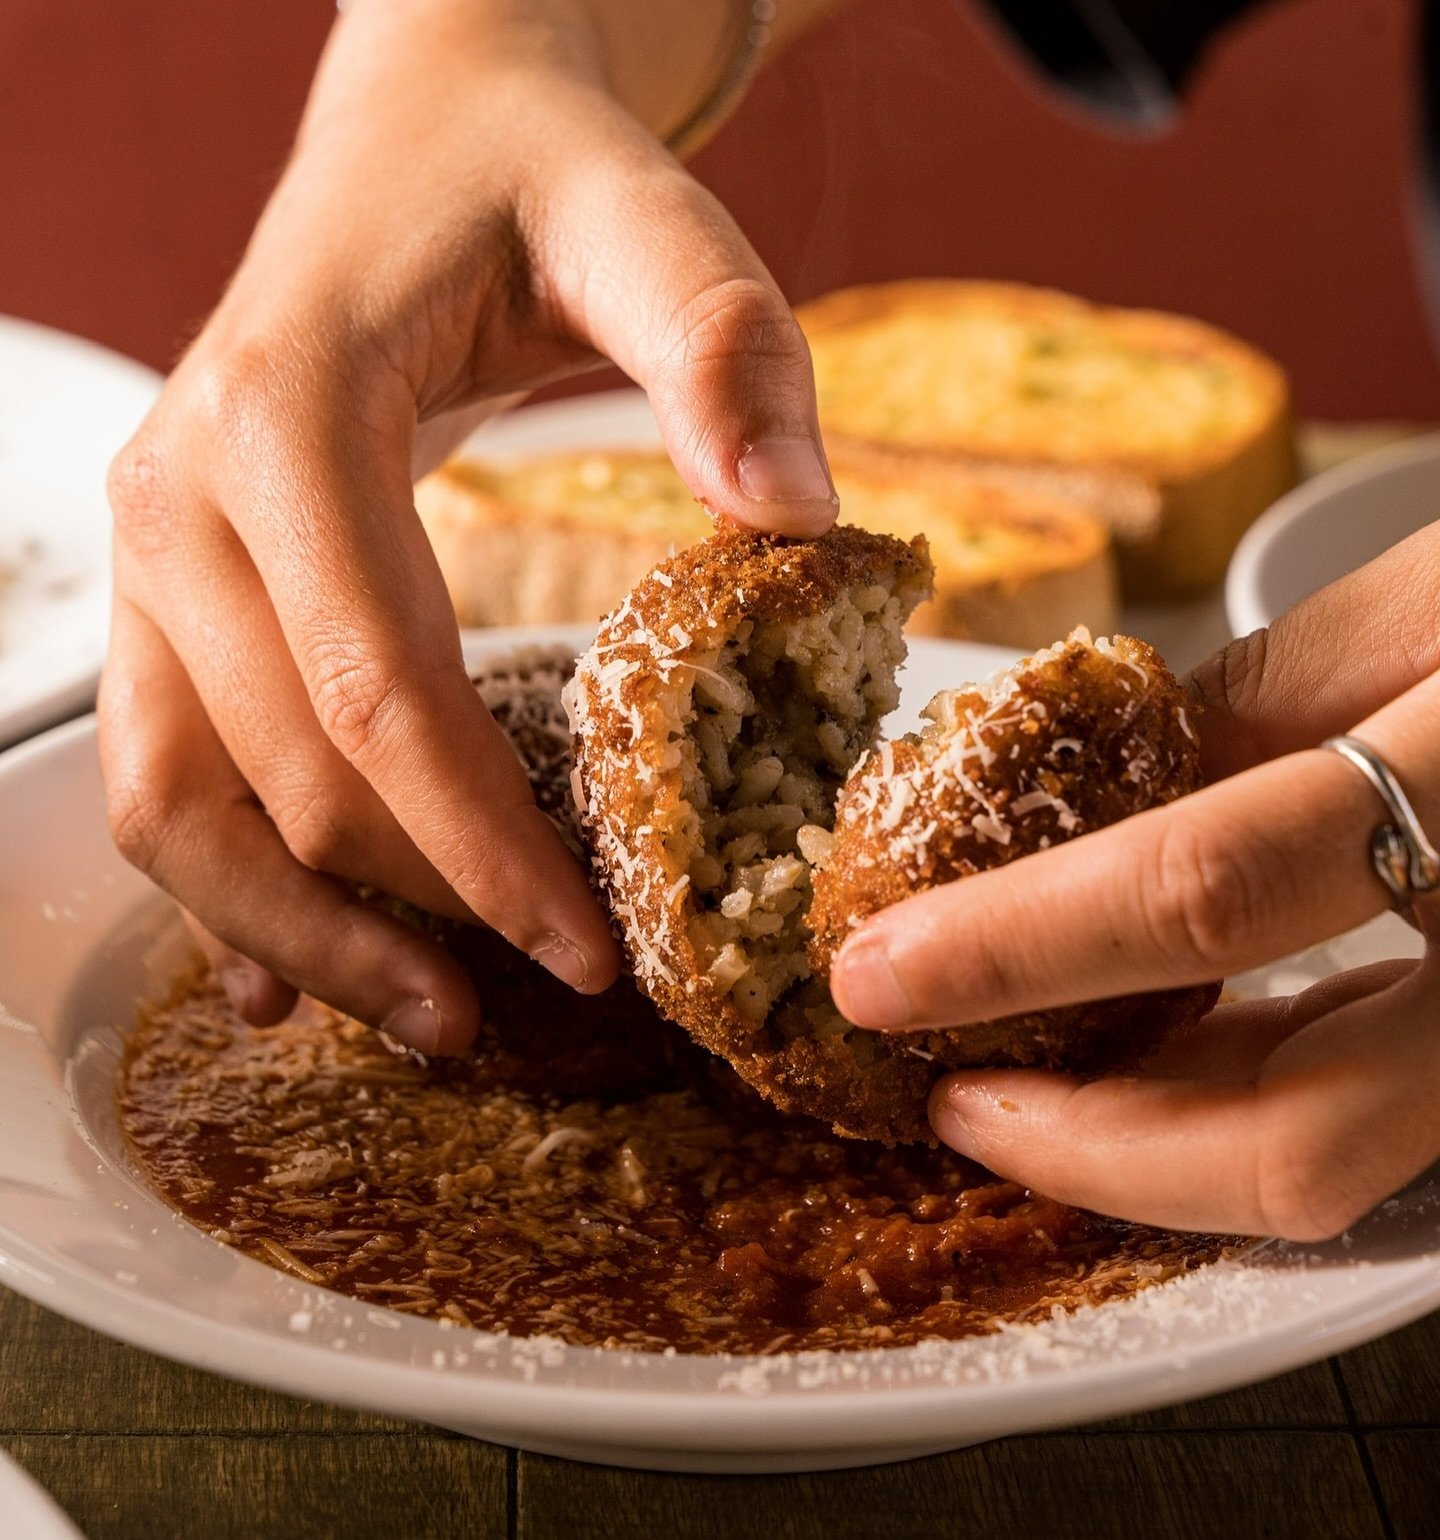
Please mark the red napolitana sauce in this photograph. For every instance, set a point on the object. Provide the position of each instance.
(692, 1216)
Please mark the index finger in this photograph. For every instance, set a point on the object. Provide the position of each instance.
(1258, 866)
(679, 298)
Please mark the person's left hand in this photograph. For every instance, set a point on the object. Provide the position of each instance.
(1289, 1117)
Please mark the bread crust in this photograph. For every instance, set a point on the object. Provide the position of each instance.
(1029, 565)
(1177, 509)
(510, 560)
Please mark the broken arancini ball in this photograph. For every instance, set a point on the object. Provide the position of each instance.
(1069, 740)
(716, 716)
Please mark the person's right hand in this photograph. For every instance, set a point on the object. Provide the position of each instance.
(285, 713)
(1290, 1116)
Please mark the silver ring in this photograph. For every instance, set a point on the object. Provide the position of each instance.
(1405, 860)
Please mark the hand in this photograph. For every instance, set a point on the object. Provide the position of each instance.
(469, 213)
(1277, 1117)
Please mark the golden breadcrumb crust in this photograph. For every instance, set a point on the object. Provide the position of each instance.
(1071, 739)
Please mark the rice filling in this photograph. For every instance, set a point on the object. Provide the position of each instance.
(775, 723)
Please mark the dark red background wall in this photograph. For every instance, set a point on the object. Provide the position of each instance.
(138, 138)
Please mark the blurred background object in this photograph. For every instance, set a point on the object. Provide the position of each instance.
(1178, 435)
(1332, 525)
(903, 137)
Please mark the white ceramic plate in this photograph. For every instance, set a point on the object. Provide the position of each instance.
(1329, 526)
(30, 1512)
(82, 937)
(66, 406)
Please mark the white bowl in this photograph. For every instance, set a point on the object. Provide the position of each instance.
(1330, 526)
(82, 936)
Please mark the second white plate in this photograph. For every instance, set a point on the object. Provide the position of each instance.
(66, 407)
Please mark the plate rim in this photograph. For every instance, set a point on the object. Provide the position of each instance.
(40, 1516)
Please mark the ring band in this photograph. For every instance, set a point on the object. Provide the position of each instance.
(1405, 860)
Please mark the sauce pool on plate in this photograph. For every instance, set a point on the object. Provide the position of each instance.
(690, 1216)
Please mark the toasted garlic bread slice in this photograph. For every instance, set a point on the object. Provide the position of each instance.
(1176, 432)
(566, 537)
(1011, 567)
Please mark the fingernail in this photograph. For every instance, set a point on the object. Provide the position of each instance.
(784, 470)
(948, 1119)
(871, 994)
(238, 980)
(563, 958)
(416, 1024)
(969, 1114)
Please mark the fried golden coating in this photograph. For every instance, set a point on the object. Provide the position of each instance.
(715, 719)
(541, 1034)
(1072, 739)
(523, 691)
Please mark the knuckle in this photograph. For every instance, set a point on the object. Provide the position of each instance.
(317, 829)
(233, 406)
(738, 319)
(140, 487)
(233, 398)
(485, 867)
(1203, 900)
(356, 699)
(480, 874)
(985, 973)
(1305, 1188)
(139, 816)
(1417, 646)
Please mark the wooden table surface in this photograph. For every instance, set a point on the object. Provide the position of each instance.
(136, 1448)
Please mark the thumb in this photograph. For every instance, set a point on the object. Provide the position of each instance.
(673, 292)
